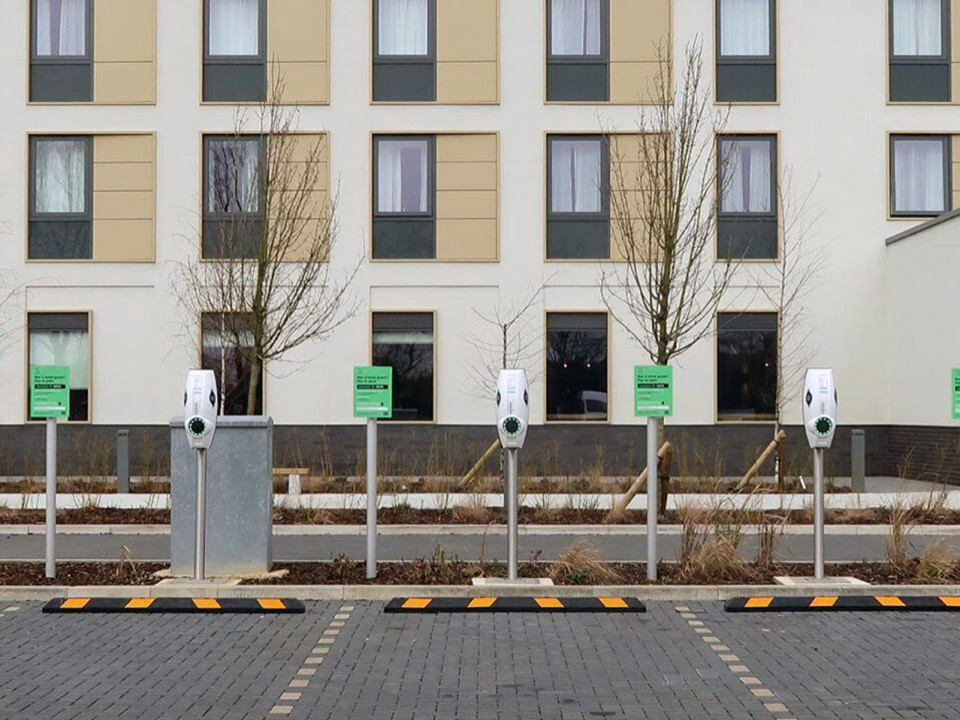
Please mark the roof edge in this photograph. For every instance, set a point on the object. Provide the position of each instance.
(917, 229)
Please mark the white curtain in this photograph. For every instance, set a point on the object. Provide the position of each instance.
(747, 164)
(61, 176)
(61, 28)
(916, 27)
(575, 176)
(63, 347)
(918, 176)
(234, 182)
(403, 27)
(744, 28)
(234, 27)
(575, 27)
(402, 176)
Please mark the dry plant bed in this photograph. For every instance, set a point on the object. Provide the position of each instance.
(80, 573)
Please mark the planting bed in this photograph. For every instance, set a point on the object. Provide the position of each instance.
(75, 573)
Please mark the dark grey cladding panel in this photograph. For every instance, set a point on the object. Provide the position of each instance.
(746, 81)
(919, 82)
(572, 81)
(398, 81)
(66, 82)
(234, 82)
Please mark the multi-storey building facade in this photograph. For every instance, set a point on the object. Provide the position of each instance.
(458, 135)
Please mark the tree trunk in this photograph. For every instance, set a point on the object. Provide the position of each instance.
(254, 388)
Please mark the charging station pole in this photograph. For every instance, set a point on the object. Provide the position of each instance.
(512, 516)
(371, 498)
(818, 513)
(200, 548)
(819, 407)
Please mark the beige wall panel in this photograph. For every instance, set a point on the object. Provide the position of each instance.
(467, 148)
(321, 181)
(124, 82)
(466, 239)
(304, 143)
(633, 82)
(124, 148)
(955, 34)
(466, 82)
(629, 203)
(637, 27)
(134, 205)
(303, 82)
(466, 204)
(123, 240)
(617, 244)
(467, 176)
(123, 176)
(467, 30)
(300, 252)
(297, 30)
(314, 206)
(955, 82)
(124, 30)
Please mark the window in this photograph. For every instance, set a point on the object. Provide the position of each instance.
(578, 33)
(919, 50)
(746, 366)
(747, 222)
(578, 203)
(921, 179)
(746, 51)
(403, 207)
(404, 63)
(233, 195)
(63, 339)
(404, 341)
(61, 40)
(234, 60)
(576, 366)
(226, 349)
(61, 197)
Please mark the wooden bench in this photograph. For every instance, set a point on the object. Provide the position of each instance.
(293, 478)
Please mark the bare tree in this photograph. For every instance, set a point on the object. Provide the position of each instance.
(266, 238)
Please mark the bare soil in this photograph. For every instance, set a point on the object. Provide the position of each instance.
(76, 573)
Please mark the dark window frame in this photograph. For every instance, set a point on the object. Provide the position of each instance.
(46, 217)
(607, 361)
(74, 316)
(945, 141)
(433, 362)
(603, 215)
(732, 317)
(398, 61)
(212, 218)
(59, 61)
(581, 61)
(260, 59)
(430, 215)
(774, 213)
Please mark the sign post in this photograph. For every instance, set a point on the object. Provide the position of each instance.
(50, 399)
(372, 399)
(652, 399)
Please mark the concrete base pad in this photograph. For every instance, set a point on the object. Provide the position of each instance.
(504, 583)
(809, 582)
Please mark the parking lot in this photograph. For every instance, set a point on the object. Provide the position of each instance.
(350, 660)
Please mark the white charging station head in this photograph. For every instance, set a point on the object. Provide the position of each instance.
(200, 404)
(513, 408)
(819, 404)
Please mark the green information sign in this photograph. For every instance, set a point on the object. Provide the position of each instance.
(49, 391)
(373, 392)
(956, 393)
(652, 390)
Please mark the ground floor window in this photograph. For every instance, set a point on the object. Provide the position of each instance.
(746, 366)
(404, 341)
(64, 339)
(576, 366)
(227, 348)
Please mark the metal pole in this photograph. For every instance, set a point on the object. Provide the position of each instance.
(512, 539)
(371, 498)
(51, 496)
(123, 461)
(652, 499)
(201, 549)
(818, 513)
(858, 453)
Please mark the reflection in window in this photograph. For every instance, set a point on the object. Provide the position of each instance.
(227, 344)
(61, 28)
(404, 341)
(746, 365)
(576, 366)
(234, 28)
(233, 189)
(575, 28)
(63, 339)
(403, 28)
(60, 213)
(919, 175)
(744, 28)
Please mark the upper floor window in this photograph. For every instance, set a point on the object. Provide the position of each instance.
(404, 218)
(234, 64)
(404, 64)
(920, 50)
(578, 218)
(61, 69)
(233, 195)
(61, 198)
(920, 174)
(747, 221)
(578, 50)
(746, 51)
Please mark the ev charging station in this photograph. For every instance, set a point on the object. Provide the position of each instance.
(820, 423)
(513, 417)
(200, 405)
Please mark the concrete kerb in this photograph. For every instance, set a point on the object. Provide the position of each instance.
(646, 593)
